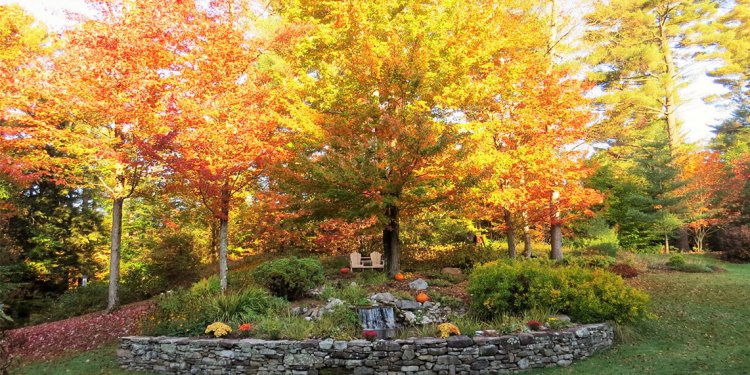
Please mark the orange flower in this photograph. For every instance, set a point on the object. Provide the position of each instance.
(246, 327)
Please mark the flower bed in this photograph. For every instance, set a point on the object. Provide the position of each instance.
(454, 354)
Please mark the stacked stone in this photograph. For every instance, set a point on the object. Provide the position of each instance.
(454, 355)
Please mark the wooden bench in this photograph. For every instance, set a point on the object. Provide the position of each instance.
(374, 261)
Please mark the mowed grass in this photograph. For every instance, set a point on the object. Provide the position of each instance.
(93, 362)
(702, 327)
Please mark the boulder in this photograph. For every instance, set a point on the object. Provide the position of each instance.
(418, 284)
(405, 304)
(385, 298)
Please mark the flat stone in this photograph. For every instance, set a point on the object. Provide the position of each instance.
(418, 284)
(386, 298)
(405, 304)
(459, 341)
(302, 359)
(386, 346)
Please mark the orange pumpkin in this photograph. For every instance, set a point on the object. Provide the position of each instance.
(344, 270)
(399, 276)
(422, 297)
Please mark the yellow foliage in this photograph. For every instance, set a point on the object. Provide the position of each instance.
(448, 329)
(219, 329)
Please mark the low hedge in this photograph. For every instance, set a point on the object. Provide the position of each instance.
(587, 295)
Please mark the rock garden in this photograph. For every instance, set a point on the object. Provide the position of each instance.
(309, 314)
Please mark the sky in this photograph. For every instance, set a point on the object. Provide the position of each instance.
(697, 117)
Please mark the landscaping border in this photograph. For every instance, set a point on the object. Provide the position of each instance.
(454, 355)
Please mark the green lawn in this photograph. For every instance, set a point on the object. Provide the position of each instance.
(100, 361)
(703, 327)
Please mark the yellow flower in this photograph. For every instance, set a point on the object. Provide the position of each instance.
(219, 329)
(448, 329)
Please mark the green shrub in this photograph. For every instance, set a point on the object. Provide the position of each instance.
(187, 312)
(285, 326)
(514, 287)
(676, 261)
(595, 236)
(461, 255)
(174, 259)
(350, 293)
(289, 277)
(341, 323)
(372, 277)
(446, 300)
(590, 261)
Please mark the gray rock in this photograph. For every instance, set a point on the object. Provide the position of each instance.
(409, 317)
(405, 304)
(525, 338)
(418, 284)
(340, 345)
(523, 363)
(459, 341)
(326, 344)
(301, 359)
(480, 364)
(583, 332)
(386, 298)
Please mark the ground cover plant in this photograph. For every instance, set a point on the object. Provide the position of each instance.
(586, 295)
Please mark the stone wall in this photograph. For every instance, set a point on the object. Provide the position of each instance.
(455, 355)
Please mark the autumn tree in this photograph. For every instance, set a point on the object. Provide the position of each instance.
(110, 77)
(705, 175)
(390, 83)
(229, 113)
(33, 144)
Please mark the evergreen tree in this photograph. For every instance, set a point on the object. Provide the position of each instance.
(641, 190)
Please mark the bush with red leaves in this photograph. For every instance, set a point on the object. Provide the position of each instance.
(624, 270)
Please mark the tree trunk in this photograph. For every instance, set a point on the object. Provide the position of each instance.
(670, 104)
(684, 242)
(555, 228)
(510, 232)
(223, 246)
(526, 236)
(666, 244)
(392, 242)
(556, 237)
(113, 298)
(700, 235)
